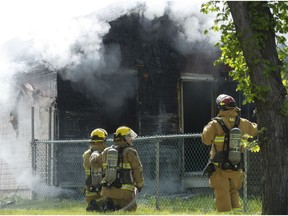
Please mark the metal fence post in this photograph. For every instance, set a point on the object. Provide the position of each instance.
(49, 147)
(164, 188)
(246, 167)
(157, 174)
(33, 149)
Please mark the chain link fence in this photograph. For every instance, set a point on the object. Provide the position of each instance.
(172, 167)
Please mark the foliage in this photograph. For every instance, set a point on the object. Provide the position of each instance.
(232, 54)
(230, 47)
(252, 145)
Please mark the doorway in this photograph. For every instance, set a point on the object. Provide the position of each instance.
(197, 106)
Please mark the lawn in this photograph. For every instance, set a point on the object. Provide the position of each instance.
(146, 206)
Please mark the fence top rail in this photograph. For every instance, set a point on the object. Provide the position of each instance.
(142, 138)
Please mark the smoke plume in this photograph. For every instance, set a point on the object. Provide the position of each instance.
(67, 36)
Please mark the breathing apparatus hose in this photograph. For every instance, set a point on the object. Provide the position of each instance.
(132, 201)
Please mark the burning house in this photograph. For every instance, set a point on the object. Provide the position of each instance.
(146, 77)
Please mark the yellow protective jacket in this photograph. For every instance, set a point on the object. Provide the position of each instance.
(131, 162)
(214, 135)
(86, 156)
(90, 195)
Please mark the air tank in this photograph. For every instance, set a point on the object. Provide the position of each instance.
(234, 155)
(112, 162)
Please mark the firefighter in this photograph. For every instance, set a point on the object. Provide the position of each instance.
(226, 169)
(123, 172)
(92, 192)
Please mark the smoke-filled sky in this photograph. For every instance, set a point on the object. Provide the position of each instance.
(48, 31)
(56, 33)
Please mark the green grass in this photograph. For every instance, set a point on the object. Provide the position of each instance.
(203, 205)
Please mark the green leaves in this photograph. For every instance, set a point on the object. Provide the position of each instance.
(251, 145)
(231, 50)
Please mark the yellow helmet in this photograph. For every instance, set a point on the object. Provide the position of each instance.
(98, 135)
(123, 132)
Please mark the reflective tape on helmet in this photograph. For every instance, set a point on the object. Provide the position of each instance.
(98, 135)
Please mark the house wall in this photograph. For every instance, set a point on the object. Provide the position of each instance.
(158, 65)
(149, 63)
(36, 89)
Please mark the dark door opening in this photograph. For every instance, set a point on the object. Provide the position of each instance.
(197, 106)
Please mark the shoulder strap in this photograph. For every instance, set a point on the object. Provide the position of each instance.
(224, 127)
(226, 139)
(120, 154)
(121, 149)
(237, 121)
(120, 160)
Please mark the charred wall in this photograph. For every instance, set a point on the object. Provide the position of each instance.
(78, 115)
(146, 45)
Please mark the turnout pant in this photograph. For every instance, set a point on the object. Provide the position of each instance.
(226, 185)
(120, 198)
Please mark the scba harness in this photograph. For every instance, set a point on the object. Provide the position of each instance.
(117, 173)
(96, 174)
(230, 157)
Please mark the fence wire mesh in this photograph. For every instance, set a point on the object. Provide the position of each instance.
(172, 166)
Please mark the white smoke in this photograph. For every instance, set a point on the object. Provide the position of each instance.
(67, 34)
(43, 32)
(187, 15)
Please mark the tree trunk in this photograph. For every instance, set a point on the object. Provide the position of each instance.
(274, 140)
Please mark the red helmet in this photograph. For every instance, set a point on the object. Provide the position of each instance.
(225, 102)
